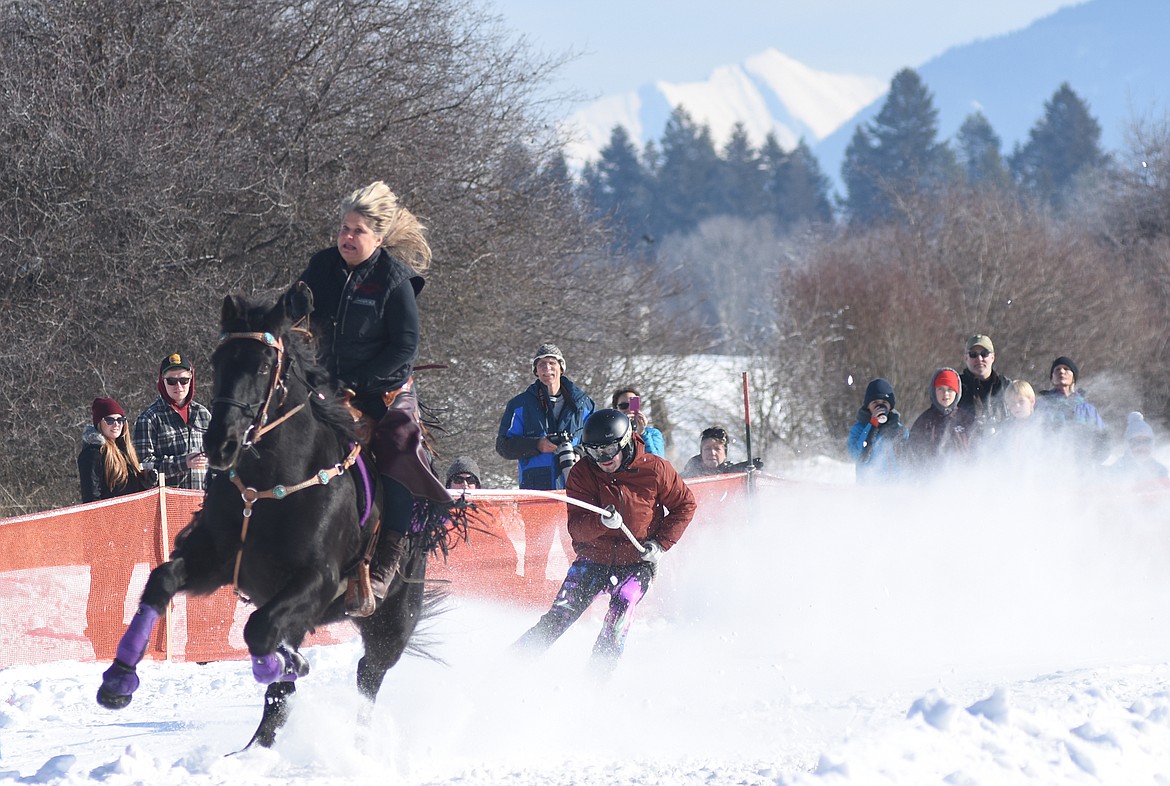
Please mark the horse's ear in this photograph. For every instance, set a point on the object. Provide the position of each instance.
(230, 312)
(277, 317)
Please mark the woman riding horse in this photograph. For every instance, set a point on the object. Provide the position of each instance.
(364, 315)
(278, 430)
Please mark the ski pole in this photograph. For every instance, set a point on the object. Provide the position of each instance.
(563, 498)
(747, 419)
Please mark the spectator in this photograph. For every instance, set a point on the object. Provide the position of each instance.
(552, 408)
(463, 474)
(876, 441)
(1020, 437)
(1069, 416)
(109, 467)
(1019, 401)
(364, 315)
(1138, 462)
(168, 435)
(645, 495)
(623, 399)
(108, 463)
(712, 457)
(942, 432)
(983, 387)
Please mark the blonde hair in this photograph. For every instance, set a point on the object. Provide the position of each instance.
(1021, 388)
(402, 234)
(119, 458)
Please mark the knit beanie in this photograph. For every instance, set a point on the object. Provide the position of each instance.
(463, 465)
(948, 377)
(1065, 361)
(1136, 427)
(105, 406)
(548, 351)
(879, 389)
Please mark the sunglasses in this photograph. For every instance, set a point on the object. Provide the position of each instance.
(624, 405)
(113, 420)
(714, 433)
(175, 381)
(602, 453)
(982, 353)
(464, 479)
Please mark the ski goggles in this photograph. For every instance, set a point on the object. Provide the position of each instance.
(602, 453)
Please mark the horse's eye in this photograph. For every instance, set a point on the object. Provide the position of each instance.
(264, 368)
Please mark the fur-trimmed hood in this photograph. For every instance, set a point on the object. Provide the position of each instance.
(91, 436)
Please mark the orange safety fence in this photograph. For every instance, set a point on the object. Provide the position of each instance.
(70, 579)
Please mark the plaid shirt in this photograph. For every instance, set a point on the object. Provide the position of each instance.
(163, 441)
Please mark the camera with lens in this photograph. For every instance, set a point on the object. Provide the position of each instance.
(565, 456)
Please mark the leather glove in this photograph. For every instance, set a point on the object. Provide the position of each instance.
(653, 552)
(612, 519)
(149, 478)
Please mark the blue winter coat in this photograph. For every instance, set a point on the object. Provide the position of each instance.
(655, 444)
(528, 418)
(877, 451)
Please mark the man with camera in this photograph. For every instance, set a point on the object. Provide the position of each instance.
(539, 429)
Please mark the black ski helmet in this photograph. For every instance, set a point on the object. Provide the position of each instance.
(605, 430)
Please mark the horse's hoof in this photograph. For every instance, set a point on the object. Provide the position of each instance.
(111, 700)
(118, 685)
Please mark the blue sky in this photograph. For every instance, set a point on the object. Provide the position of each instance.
(625, 43)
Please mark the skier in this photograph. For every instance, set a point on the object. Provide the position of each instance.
(639, 489)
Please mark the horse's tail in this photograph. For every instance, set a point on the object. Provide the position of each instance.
(424, 641)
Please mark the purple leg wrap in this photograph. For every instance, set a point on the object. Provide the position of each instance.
(284, 665)
(267, 668)
(120, 680)
(133, 644)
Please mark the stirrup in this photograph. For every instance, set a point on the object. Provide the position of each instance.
(359, 595)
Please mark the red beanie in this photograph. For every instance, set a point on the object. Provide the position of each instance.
(105, 406)
(947, 377)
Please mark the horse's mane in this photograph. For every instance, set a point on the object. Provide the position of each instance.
(301, 356)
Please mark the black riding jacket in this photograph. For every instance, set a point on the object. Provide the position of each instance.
(365, 320)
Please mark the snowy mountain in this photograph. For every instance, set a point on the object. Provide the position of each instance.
(1111, 52)
(768, 92)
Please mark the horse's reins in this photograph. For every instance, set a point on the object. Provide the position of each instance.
(260, 426)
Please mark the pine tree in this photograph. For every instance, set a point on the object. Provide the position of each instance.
(618, 187)
(687, 176)
(1062, 144)
(896, 155)
(803, 187)
(741, 177)
(979, 153)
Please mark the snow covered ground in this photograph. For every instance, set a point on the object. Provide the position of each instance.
(976, 633)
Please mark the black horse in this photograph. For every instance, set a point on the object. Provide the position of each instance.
(286, 519)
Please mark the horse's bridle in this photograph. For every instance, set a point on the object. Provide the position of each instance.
(260, 425)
